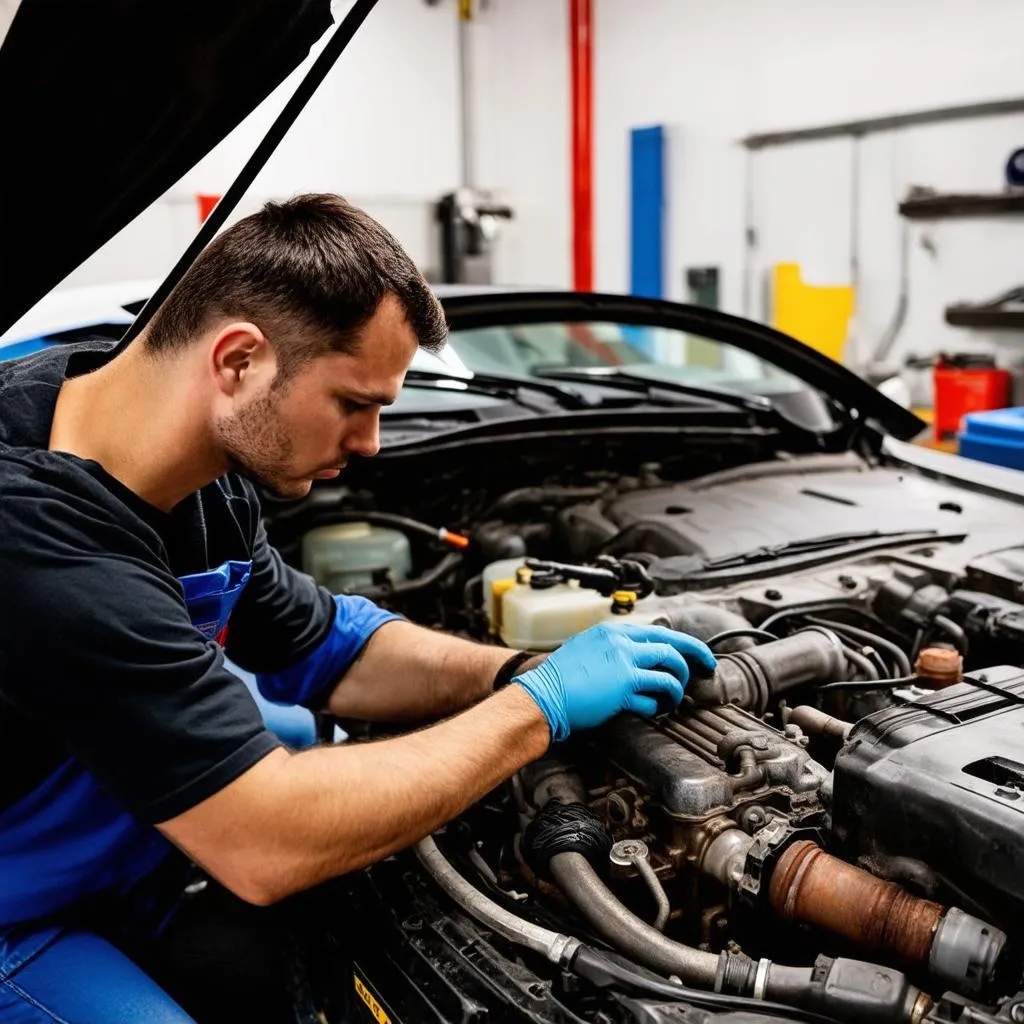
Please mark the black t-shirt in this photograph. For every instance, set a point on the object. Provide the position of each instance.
(102, 671)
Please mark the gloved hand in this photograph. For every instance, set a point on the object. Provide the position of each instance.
(609, 668)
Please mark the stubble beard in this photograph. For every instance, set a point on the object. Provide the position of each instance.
(258, 447)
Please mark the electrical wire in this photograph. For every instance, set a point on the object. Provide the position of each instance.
(736, 634)
(871, 684)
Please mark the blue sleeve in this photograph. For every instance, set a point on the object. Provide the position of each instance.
(355, 620)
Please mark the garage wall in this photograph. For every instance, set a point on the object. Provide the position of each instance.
(520, 118)
(714, 73)
(382, 130)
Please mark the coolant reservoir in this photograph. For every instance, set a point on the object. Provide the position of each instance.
(354, 556)
(496, 579)
(540, 620)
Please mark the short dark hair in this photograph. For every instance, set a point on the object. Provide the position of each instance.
(309, 272)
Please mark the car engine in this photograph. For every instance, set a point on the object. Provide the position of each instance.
(833, 821)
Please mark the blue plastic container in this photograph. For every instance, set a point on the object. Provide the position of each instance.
(996, 436)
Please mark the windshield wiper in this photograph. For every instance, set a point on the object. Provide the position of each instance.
(656, 391)
(510, 388)
(809, 545)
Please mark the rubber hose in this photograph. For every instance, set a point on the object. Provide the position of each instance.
(623, 929)
(444, 568)
(862, 663)
(902, 662)
(700, 620)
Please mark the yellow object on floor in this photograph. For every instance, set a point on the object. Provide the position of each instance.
(817, 316)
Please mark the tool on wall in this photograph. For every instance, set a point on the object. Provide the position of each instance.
(469, 225)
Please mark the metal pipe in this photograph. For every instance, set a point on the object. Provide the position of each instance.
(810, 886)
(653, 882)
(465, 93)
(558, 948)
(816, 888)
(817, 723)
(866, 126)
(623, 929)
(581, 62)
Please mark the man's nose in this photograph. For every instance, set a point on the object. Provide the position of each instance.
(363, 437)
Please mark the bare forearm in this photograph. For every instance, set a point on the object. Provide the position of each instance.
(408, 673)
(331, 810)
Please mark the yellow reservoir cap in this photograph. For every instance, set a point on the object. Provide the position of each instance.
(498, 588)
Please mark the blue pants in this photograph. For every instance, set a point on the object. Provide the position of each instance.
(61, 972)
(79, 978)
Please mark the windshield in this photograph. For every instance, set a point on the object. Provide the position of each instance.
(658, 353)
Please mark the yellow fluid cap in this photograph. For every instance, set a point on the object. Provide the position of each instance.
(624, 597)
(523, 574)
(498, 588)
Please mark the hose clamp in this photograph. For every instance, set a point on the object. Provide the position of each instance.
(761, 978)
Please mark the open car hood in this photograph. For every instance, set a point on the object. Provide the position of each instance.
(104, 104)
(842, 386)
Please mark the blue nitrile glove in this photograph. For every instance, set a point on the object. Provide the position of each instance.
(610, 668)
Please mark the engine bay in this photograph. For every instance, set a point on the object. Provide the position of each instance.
(831, 826)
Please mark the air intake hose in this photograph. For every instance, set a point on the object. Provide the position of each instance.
(754, 678)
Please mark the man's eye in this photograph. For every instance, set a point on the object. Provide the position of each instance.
(349, 405)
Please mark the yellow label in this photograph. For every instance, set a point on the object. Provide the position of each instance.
(367, 997)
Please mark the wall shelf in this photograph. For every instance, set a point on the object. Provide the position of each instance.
(965, 205)
(1004, 311)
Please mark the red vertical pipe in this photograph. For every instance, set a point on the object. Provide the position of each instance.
(581, 58)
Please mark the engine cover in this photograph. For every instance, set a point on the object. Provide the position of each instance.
(941, 781)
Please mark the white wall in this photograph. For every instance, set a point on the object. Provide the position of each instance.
(714, 73)
(521, 134)
(382, 130)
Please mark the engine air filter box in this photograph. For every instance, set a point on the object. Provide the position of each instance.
(940, 780)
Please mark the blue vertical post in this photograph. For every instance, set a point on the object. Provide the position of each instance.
(647, 228)
(647, 202)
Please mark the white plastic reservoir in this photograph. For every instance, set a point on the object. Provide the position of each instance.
(346, 556)
(542, 619)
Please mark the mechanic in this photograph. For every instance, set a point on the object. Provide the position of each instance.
(133, 560)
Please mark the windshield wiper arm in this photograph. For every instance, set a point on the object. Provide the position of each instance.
(624, 380)
(811, 544)
(498, 385)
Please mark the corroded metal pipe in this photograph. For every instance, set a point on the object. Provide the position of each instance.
(813, 887)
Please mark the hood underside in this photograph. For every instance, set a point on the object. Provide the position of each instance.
(107, 103)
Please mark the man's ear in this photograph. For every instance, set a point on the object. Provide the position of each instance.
(241, 357)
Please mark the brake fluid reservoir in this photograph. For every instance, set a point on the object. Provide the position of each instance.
(354, 556)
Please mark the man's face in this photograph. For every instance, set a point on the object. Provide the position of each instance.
(285, 437)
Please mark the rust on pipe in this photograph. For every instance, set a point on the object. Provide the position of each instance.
(813, 887)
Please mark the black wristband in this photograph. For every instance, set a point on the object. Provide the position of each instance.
(510, 668)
